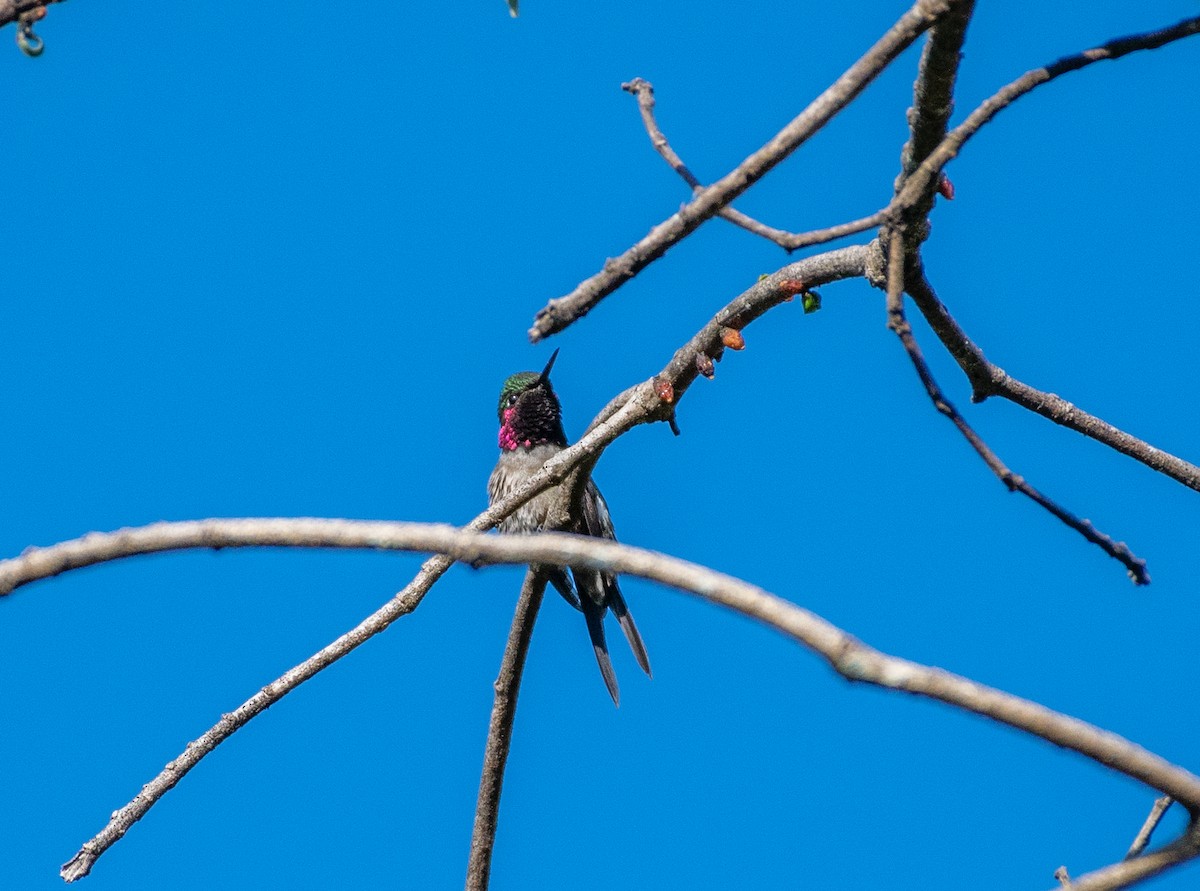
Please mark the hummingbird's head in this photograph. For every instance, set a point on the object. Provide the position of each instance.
(529, 412)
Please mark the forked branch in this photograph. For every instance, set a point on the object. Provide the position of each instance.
(948, 148)
(898, 323)
(561, 312)
(643, 91)
(916, 186)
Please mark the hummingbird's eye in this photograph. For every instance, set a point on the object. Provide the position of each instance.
(512, 400)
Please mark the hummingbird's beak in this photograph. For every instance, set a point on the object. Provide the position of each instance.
(545, 377)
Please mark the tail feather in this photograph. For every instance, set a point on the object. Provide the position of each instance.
(621, 611)
(562, 584)
(594, 613)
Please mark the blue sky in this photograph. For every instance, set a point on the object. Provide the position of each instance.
(262, 262)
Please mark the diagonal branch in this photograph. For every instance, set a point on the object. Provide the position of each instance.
(504, 710)
(403, 603)
(898, 323)
(988, 379)
(643, 91)
(561, 312)
(636, 405)
(125, 817)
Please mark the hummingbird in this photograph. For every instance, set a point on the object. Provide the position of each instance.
(531, 432)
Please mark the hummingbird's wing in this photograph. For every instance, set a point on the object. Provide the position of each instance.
(598, 522)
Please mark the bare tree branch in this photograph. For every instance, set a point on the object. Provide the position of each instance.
(933, 103)
(986, 378)
(643, 91)
(1142, 839)
(1064, 413)
(768, 292)
(915, 189)
(918, 183)
(898, 323)
(765, 294)
(561, 312)
(845, 654)
(504, 710)
(635, 406)
(932, 165)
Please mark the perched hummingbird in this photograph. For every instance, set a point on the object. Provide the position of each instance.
(531, 432)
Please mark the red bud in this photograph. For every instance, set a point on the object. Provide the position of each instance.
(791, 287)
(665, 391)
(733, 339)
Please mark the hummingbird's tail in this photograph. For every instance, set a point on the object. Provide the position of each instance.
(621, 611)
(594, 613)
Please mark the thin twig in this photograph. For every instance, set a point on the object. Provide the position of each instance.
(794, 242)
(125, 817)
(1121, 879)
(988, 379)
(561, 312)
(504, 710)
(1142, 839)
(898, 322)
(1129, 872)
(643, 91)
(845, 654)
